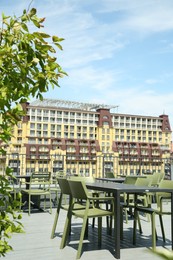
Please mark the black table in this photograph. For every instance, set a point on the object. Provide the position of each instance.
(119, 180)
(27, 179)
(116, 189)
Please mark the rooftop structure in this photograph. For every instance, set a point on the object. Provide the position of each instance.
(58, 103)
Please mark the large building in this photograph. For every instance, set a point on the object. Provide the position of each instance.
(86, 139)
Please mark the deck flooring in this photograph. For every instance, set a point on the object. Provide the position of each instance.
(36, 244)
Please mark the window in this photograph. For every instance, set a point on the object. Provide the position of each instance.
(52, 113)
(38, 126)
(32, 126)
(45, 126)
(32, 132)
(52, 127)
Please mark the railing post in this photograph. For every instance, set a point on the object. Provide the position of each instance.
(171, 173)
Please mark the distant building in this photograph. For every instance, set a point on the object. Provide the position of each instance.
(83, 133)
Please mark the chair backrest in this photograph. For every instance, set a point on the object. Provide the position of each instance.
(89, 179)
(109, 175)
(60, 173)
(161, 176)
(166, 184)
(40, 178)
(130, 180)
(155, 180)
(78, 189)
(143, 182)
(56, 175)
(64, 186)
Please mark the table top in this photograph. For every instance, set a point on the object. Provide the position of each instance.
(22, 176)
(119, 180)
(120, 187)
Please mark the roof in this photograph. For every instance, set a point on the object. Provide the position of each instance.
(70, 104)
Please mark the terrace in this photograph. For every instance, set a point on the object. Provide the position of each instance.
(35, 243)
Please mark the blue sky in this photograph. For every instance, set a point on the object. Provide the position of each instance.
(116, 52)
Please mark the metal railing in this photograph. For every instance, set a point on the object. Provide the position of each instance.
(85, 165)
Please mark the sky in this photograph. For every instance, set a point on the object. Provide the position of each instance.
(116, 52)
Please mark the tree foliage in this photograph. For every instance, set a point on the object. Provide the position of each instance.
(28, 68)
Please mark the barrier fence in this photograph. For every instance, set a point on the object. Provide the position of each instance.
(85, 165)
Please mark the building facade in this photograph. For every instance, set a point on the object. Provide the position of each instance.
(86, 139)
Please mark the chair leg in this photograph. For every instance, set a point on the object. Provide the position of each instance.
(50, 201)
(139, 224)
(29, 205)
(56, 217)
(44, 202)
(81, 237)
(135, 226)
(153, 226)
(136, 220)
(57, 198)
(66, 230)
(86, 230)
(162, 228)
(126, 215)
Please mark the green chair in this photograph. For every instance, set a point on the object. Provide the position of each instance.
(39, 185)
(156, 178)
(55, 189)
(160, 197)
(80, 192)
(128, 199)
(124, 197)
(109, 175)
(91, 179)
(65, 192)
(65, 196)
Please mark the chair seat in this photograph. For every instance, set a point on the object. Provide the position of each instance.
(36, 192)
(76, 206)
(92, 213)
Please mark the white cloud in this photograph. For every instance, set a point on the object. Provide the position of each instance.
(139, 101)
(151, 81)
(94, 78)
(142, 16)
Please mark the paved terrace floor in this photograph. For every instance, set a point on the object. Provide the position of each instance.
(36, 244)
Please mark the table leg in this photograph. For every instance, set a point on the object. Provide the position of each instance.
(172, 218)
(117, 225)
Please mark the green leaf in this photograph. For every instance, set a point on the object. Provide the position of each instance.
(57, 39)
(32, 12)
(36, 23)
(44, 35)
(24, 26)
(59, 46)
